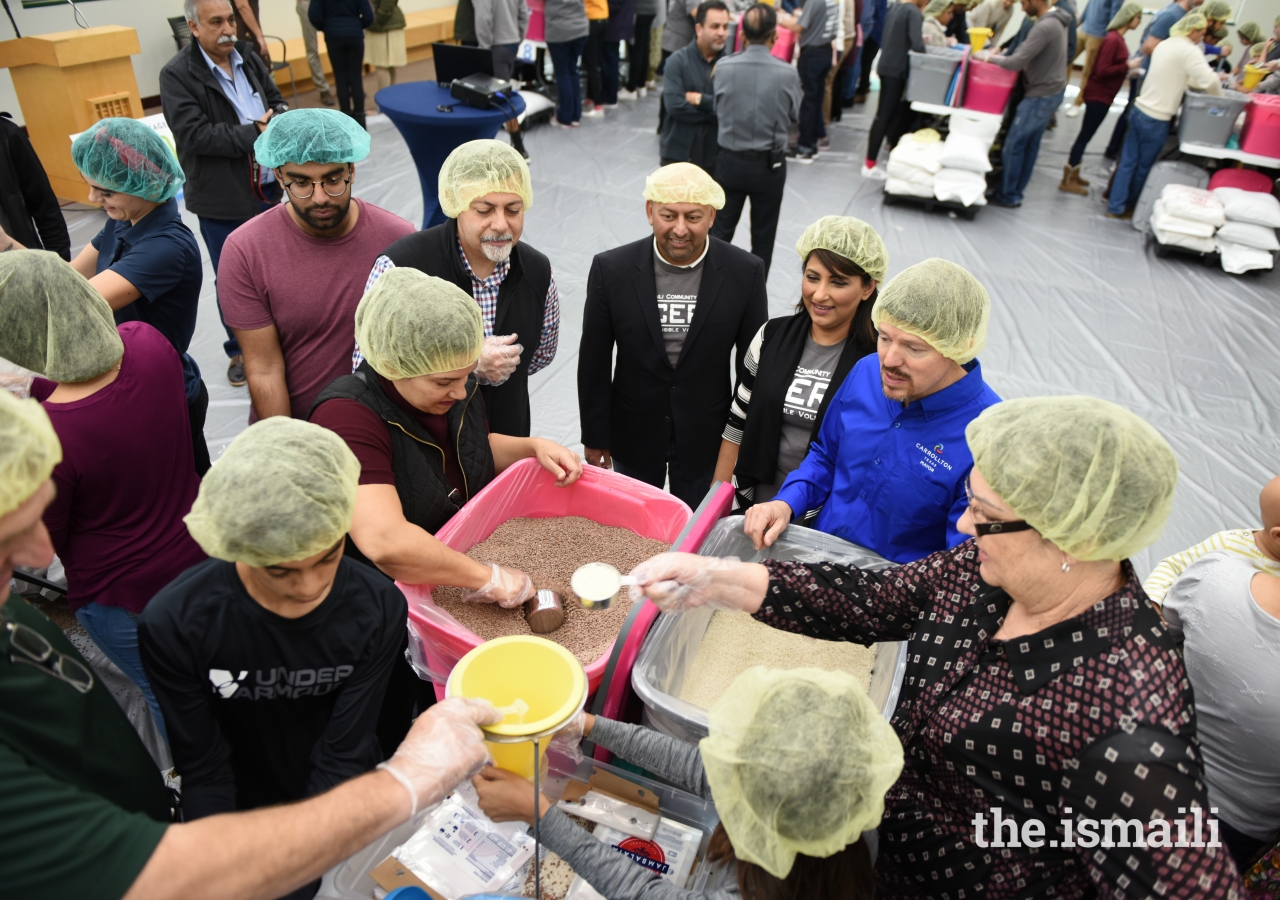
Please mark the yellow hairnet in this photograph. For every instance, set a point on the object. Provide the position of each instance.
(412, 324)
(283, 490)
(483, 167)
(29, 450)
(851, 238)
(937, 7)
(1216, 9)
(1192, 21)
(798, 762)
(1125, 15)
(1088, 475)
(1255, 50)
(940, 302)
(683, 183)
(52, 321)
(1250, 31)
(311, 136)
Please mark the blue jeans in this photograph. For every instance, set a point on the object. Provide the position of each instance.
(115, 630)
(564, 59)
(1142, 144)
(1022, 144)
(215, 233)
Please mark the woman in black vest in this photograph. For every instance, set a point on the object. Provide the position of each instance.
(796, 363)
(413, 415)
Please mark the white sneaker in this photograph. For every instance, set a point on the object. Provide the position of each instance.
(594, 113)
(624, 94)
(875, 173)
(643, 92)
(1074, 111)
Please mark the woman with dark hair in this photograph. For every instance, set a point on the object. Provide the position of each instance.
(796, 363)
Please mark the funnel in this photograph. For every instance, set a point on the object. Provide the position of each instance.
(978, 38)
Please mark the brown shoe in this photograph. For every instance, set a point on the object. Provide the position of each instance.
(1071, 182)
(1127, 214)
(1080, 180)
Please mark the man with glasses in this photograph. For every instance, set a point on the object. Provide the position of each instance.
(291, 278)
(84, 812)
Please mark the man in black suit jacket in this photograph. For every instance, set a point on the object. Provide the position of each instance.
(675, 304)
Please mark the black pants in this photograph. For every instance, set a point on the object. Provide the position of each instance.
(638, 54)
(407, 695)
(1116, 144)
(813, 66)
(1241, 846)
(869, 50)
(347, 56)
(593, 61)
(750, 174)
(691, 487)
(893, 116)
(197, 409)
(1094, 115)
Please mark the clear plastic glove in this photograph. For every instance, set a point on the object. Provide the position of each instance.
(507, 587)
(678, 582)
(568, 740)
(444, 747)
(498, 359)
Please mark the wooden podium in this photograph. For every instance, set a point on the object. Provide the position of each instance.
(65, 82)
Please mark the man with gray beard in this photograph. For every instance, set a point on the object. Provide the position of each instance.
(485, 190)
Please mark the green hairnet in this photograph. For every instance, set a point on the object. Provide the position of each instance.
(1255, 50)
(412, 324)
(29, 449)
(683, 183)
(1125, 15)
(937, 7)
(1192, 21)
(483, 167)
(283, 490)
(1088, 475)
(127, 156)
(1216, 9)
(311, 136)
(52, 321)
(940, 302)
(851, 238)
(1250, 31)
(1220, 33)
(799, 762)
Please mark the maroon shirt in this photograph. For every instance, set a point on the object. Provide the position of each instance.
(1109, 70)
(126, 479)
(1094, 714)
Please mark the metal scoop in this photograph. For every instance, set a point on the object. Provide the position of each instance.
(598, 585)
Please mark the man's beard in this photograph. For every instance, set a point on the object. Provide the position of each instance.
(326, 224)
(497, 252)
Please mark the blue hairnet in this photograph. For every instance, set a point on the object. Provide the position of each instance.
(311, 136)
(128, 157)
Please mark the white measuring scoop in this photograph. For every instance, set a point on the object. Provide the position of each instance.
(598, 585)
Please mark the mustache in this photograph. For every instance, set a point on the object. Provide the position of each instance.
(896, 373)
(227, 39)
(497, 238)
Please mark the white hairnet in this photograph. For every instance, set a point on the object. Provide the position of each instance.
(798, 762)
(936, 7)
(851, 238)
(683, 183)
(282, 491)
(29, 449)
(940, 302)
(483, 167)
(1088, 475)
(52, 321)
(411, 324)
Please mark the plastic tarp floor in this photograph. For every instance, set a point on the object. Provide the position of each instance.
(1080, 305)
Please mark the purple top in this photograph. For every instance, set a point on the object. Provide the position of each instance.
(126, 479)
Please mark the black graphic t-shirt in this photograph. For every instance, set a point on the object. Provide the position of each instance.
(261, 709)
(800, 407)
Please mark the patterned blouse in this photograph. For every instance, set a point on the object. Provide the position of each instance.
(1090, 719)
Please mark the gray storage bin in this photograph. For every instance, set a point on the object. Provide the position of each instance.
(1209, 120)
(669, 650)
(931, 74)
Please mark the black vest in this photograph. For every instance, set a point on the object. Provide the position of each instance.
(427, 497)
(521, 301)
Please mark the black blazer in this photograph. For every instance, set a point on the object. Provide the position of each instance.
(634, 407)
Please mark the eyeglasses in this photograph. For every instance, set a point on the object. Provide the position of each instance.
(982, 529)
(30, 647)
(297, 188)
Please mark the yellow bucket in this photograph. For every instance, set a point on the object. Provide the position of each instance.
(1252, 75)
(522, 670)
(978, 38)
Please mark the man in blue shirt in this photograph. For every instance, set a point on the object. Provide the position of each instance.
(888, 468)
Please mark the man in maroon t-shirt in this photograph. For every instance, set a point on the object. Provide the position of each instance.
(289, 280)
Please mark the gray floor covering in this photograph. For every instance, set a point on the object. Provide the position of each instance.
(1080, 305)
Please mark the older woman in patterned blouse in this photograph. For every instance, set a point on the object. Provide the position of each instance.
(1047, 717)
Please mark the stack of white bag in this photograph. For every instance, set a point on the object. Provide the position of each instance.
(1248, 238)
(913, 164)
(965, 160)
(1187, 217)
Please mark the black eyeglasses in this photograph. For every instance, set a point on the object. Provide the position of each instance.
(982, 529)
(30, 647)
(296, 188)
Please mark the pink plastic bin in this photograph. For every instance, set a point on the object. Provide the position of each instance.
(537, 22)
(1244, 179)
(987, 87)
(1261, 134)
(526, 490)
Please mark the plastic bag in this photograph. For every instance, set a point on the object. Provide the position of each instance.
(613, 813)
(1193, 203)
(1259, 237)
(1249, 206)
(1238, 259)
(1164, 220)
(960, 185)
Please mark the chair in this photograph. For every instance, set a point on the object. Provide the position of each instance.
(283, 64)
(181, 31)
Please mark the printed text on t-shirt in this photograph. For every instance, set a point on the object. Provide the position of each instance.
(804, 397)
(675, 311)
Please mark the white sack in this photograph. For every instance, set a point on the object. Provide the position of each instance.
(1185, 241)
(1249, 206)
(961, 186)
(984, 129)
(907, 188)
(1259, 237)
(922, 156)
(1162, 219)
(964, 151)
(1238, 259)
(1188, 202)
(903, 172)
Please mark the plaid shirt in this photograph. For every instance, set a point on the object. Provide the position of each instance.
(485, 292)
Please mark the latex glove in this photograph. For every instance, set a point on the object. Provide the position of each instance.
(568, 740)
(498, 359)
(678, 582)
(764, 522)
(443, 748)
(507, 587)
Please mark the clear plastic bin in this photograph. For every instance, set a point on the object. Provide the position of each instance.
(672, 644)
(1209, 120)
(931, 74)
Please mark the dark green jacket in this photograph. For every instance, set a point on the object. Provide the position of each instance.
(387, 16)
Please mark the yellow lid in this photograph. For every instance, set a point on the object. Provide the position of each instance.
(520, 667)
